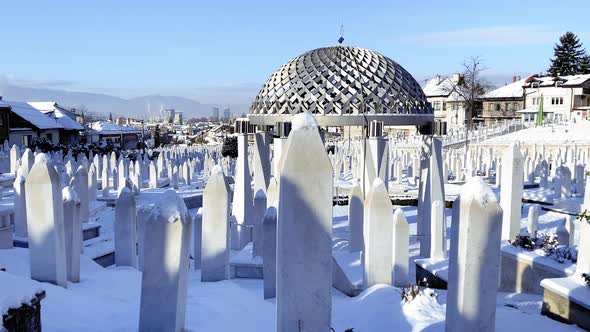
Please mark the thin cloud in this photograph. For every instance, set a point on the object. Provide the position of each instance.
(13, 80)
(493, 36)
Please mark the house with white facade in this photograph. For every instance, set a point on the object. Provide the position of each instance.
(448, 105)
(564, 97)
(106, 131)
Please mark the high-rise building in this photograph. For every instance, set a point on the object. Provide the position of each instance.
(178, 118)
(226, 113)
(170, 115)
(215, 114)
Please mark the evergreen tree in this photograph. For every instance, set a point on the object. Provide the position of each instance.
(568, 55)
(585, 65)
(111, 117)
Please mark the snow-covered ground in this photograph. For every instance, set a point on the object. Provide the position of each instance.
(107, 299)
(567, 133)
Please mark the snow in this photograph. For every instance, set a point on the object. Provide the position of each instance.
(15, 291)
(107, 299)
(568, 133)
(303, 121)
(512, 90)
(476, 189)
(106, 128)
(163, 209)
(572, 287)
(32, 115)
(58, 113)
(42, 158)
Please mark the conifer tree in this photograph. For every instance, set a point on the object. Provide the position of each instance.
(585, 65)
(568, 55)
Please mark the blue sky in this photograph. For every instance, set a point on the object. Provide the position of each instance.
(223, 51)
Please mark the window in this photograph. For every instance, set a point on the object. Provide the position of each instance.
(491, 107)
(27, 140)
(49, 137)
(508, 106)
(444, 106)
(455, 106)
(560, 100)
(498, 107)
(436, 105)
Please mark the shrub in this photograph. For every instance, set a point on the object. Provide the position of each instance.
(230, 147)
(586, 277)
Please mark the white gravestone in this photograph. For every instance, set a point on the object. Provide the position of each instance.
(125, 229)
(45, 224)
(167, 229)
(215, 235)
(304, 272)
(474, 262)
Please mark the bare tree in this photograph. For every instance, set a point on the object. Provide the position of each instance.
(469, 87)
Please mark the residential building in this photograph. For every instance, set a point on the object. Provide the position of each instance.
(503, 103)
(70, 133)
(105, 131)
(564, 97)
(445, 101)
(26, 123)
(4, 125)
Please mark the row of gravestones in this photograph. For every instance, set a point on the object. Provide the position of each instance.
(303, 286)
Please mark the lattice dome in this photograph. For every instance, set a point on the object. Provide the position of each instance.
(342, 85)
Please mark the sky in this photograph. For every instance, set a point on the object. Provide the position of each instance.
(223, 51)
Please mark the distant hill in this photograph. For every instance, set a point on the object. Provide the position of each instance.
(105, 104)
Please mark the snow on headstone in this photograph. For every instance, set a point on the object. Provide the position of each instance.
(543, 174)
(272, 192)
(83, 193)
(261, 160)
(355, 218)
(474, 262)
(125, 229)
(20, 211)
(269, 254)
(153, 183)
(197, 238)
(242, 197)
(401, 243)
(27, 161)
(437, 248)
(511, 192)
(45, 223)
(215, 235)
(167, 229)
(92, 182)
(304, 231)
(72, 232)
(431, 189)
(14, 159)
(378, 235)
(258, 216)
(533, 219)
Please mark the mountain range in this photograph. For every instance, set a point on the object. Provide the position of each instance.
(103, 104)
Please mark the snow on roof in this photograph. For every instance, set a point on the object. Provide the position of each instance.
(58, 113)
(512, 90)
(32, 115)
(105, 127)
(440, 86)
(568, 80)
